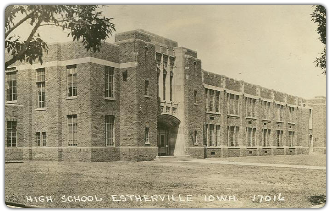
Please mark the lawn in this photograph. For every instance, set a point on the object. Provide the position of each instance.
(192, 179)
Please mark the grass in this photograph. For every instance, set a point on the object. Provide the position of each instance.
(162, 178)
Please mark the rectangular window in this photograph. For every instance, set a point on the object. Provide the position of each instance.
(233, 135)
(44, 138)
(72, 130)
(147, 135)
(40, 81)
(11, 80)
(217, 102)
(72, 80)
(125, 75)
(310, 119)
(164, 84)
(195, 137)
(195, 96)
(146, 92)
(233, 104)
(171, 79)
(279, 139)
(265, 137)
(109, 82)
(11, 133)
(206, 98)
(211, 100)
(250, 136)
(110, 130)
(211, 135)
(41, 138)
(291, 138)
(218, 135)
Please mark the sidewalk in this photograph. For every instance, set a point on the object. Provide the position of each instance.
(254, 164)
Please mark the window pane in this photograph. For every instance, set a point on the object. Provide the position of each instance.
(44, 138)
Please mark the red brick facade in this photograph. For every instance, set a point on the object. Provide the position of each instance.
(160, 104)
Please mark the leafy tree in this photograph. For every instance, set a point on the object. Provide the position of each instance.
(319, 17)
(84, 23)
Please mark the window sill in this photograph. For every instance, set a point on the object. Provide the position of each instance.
(196, 104)
(147, 96)
(40, 109)
(291, 123)
(110, 99)
(11, 102)
(147, 144)
(279, 121)
(232, 115)
(252, 118)
(71, 98)
(211, 112)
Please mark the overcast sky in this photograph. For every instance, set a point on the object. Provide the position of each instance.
(273, 46)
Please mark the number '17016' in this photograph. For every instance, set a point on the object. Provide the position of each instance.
(268, 198)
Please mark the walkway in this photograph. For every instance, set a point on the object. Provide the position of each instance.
(254, 164)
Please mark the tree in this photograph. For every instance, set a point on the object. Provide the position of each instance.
(84, 23)
(319, 17)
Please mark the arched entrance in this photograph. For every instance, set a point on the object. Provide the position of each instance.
(167, 130)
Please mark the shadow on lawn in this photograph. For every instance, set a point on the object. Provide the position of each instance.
(317, 199)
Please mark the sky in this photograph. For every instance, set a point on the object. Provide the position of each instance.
(273, 46)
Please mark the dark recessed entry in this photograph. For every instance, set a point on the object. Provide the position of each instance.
(212, 153)
(265, 123)
(212, 118)
(249, 122)
(265, 151)
(250, 152)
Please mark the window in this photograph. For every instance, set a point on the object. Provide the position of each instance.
(279, 139)
(266, 109)
(125, 75)
(211, 100)
(72, 130)
(147, 135)
(11, 133)
(218, 135)
(110, 130)
(211, 135)
(233, 135)
(265, 137)
(109, 82)
(146, 92)
(250, 107)
(41, 88)
(291, 138)
(158, 81)
(217, 102)
(72, 80)
(280, 112)
(195, 96)
(164, 84)
(250, 136)
(195, 137)
(41, 138)
(11, 86)
(171, 79)
(206, 98)
(291, 114)
(233, 104)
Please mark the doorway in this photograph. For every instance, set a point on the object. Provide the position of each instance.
(162, 142)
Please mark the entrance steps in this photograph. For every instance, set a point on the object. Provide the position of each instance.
(173, 158)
